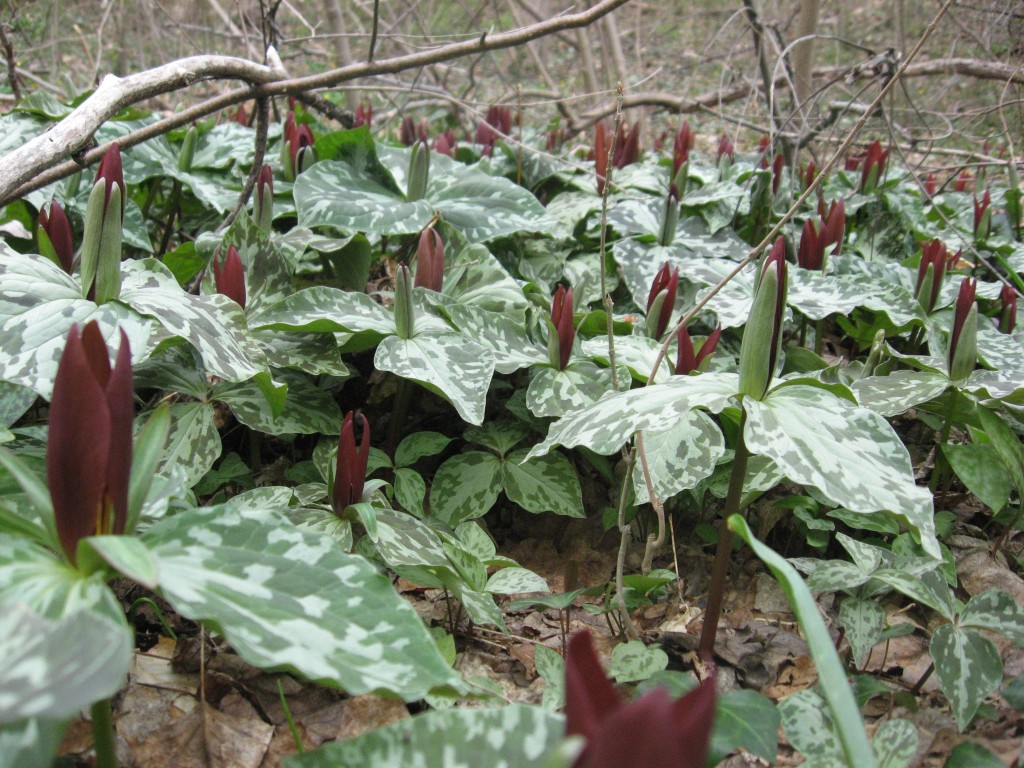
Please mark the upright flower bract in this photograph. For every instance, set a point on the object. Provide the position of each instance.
(1007, 309)
(230, 278)
(681, 146)
(430, 260)
(652, 732)
(982, 216)
(89, 449)
(101, 241)
(55, 236)
(350, 470)
(875, 160)
(561, 331)
(762, 335)
(930, 273)
(688, 360)
(963, 349)
(263, 200)
(661, 300)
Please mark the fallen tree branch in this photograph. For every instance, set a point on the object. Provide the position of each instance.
(72, 136)
(673, 102)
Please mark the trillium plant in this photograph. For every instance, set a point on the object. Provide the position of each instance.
(312, 422)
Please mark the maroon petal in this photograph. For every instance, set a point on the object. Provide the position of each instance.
(590, 697)
(57, 227)
(78, 445)
(120, 392)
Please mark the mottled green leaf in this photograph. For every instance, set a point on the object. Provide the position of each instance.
(895, 743)
(553, 392)
(290, 599)
(194, 442)
(864, 622)
(635, 661)
(417, 445)
(546, 483)
(515, 581)
(516, 736)
(900, 391)
(748, 720)
(980, 469)
(45, 673)
(850, 454)
(465, 487)
(307, 410)
(454, 367)
(996, 611)
(968, 667)
(679, 457)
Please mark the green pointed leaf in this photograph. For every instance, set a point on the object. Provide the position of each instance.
(972, 755)
(515, 581)
(194, 443)
(290, 599)
(810, 728)
(553, 392)
(500, 436)
(748, 720)
(929, 588)
(895, 743)
(980, 469)
(326, 310)
(45, 673)
(39, 303)
(547, 483)
(123, 553)
(841, 704)
(410, 489)
(312, 353)
(308, 410)
(49, 586)
(864, 622)
(30, 743)
(465, 487)
(850, 454)
(516, 736)
(501, 334)
(417, 445)
(481, 608)
(1006, 443)
(551, 667)
(899, 391)
(995, 611)
(635, 661)
(454, 367)
(968, 667)
(679, 457)
(607, 424)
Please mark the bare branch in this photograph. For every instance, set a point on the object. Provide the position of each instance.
(73, 134)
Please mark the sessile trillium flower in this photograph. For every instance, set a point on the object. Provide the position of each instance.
(350, 470)
(263, 200)
(688, 359)
(962, 352)
(89, 450)
(230, 277)
(661, 301)
(817, 236)
(762, 335)
(1007, 309)
(982, 216)
(930, 272)
(430, 261)
(681, 146)
(653, 731)
(875, 160)
(55, 241)
(297, 153)
(561, 331)
(104, 220)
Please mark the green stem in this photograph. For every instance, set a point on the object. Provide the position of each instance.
(620, 562)
(103, 734)
(721, 568)
(399, 413)
(819, 340)
(940, 460)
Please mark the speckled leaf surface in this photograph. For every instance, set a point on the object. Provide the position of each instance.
(679, 457)
(607, 424)
(516, 736)
(472, 275)
(307, 409)
(452, 366)
(968, 666)
(502, 335)
(325, 310)
(818, 295)
(39, 302)
(484, 207)
(850, 454)
(515, 581)
(864, 622)
(465, 486)
(899, 391)
(313, 353)
(996, 611)
(547, 483)
(50, 587)
(30, 743)
(45, 672)
(553, 392)
(636, 353)
(194, 443)
(291, 599)
(214, 325)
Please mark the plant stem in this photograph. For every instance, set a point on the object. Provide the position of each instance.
(399, 413)
(819, 342)
(620, 564)
(103, 734)
(721, 569)
(940, 462)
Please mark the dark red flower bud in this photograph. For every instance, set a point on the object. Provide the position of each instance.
(833, 224)
(89, 448)
(230, 279)
(810, 174)
(962, 354)
(407, 131)
(627, 147)
(241, 116)
(725, 148)
(111, 173)
(364, 115)
(931, 185)
(58, 230)
(811, 253)
(982, 216)
(430, 260)
(560, 346)
(681, 147)
(962, 181)
(350, 470)
(777, 165)
(651, 732)
(1007, 309)
(445, 143)
(686, 360)
(875, 160)
(661, 300)
(930, 272)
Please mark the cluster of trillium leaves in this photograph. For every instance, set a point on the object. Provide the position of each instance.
(276, 361)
